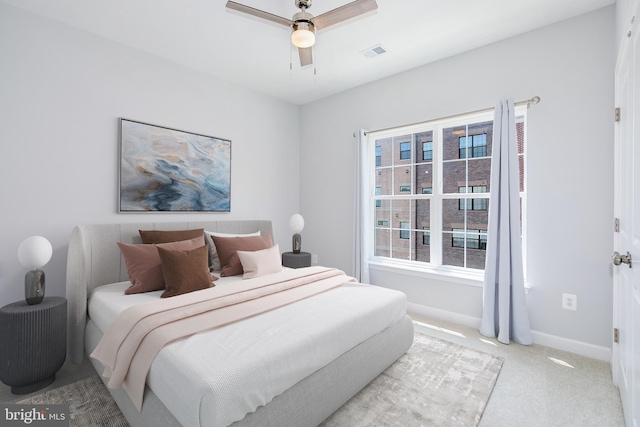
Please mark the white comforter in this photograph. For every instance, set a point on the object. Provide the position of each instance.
(215, 378)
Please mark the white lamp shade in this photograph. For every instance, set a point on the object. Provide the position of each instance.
(296, 223)
(303, 35)
(34, 252)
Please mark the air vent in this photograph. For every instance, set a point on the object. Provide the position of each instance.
(374, 51)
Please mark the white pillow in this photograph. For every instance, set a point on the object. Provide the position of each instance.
(260, 263)
(214, 261)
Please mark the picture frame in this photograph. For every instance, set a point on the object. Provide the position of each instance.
(168, 170)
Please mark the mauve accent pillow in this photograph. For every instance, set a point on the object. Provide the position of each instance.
(143, 263)
(167, 236)
(228, 247)
(184, 271)
(260, 263)
(214, 261)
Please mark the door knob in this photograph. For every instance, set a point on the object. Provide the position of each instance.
(620, 259)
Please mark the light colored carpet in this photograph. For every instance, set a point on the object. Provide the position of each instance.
(436, 383)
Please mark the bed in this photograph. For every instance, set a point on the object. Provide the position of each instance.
(325, 374)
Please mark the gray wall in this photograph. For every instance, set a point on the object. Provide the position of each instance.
(61, 93)
(570, 167)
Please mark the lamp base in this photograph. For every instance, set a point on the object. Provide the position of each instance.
(296, 243)
(34, 286)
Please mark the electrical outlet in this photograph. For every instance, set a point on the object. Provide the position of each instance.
(569, 302)
(314, 259)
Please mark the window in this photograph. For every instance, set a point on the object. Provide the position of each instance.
(427, 150)
(405, 150)
(432, 184)
(472, 239)
(473, 204)
(473, 146)
(404, 230)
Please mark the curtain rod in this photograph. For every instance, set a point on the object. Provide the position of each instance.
(527, 102)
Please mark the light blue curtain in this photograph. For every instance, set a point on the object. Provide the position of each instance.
(361, 214)
(504, 311)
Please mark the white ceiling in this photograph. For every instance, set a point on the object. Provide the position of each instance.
(205, 35)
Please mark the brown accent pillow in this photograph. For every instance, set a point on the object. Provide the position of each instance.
(166, 236)
(228, 247)
(184, 271)
(143, 263)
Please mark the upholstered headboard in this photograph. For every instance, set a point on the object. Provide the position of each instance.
(94, 259)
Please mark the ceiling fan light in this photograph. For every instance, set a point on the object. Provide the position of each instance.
(303, 35)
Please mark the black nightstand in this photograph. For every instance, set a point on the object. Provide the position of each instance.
(34, 343)
(291, 260)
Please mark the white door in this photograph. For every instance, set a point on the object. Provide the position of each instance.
(626, 274)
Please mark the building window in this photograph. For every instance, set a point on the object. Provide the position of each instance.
(427, 150)
(473, 146)
(473, 204)
(405, 150)
(404, 230)
(432, 195)
(471, 239)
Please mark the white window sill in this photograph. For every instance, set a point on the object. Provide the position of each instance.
(463, 277)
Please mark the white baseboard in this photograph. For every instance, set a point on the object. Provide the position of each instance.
(447, 316)
(572, 346)
(540, 338)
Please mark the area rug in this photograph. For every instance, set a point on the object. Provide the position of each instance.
(90, 403)
(436, 383)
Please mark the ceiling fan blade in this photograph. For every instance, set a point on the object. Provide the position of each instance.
(306, 56)
(342, 13)
(259, 13)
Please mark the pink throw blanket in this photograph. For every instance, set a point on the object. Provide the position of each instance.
(133, 340)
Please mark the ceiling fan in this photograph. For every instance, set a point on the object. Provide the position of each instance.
(303, 24)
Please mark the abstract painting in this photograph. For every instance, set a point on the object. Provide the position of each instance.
(163, 169)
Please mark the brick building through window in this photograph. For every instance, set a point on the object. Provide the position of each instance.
(406, 192)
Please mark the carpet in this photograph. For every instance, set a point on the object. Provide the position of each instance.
(436, 383)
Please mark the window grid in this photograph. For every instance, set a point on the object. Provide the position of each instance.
(475, 239)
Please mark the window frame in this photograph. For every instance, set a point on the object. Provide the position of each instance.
(437, 197)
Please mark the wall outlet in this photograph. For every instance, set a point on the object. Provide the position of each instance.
(569, 302)
(314, 259)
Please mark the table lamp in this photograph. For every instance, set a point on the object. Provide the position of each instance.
(34, 252)
(297, 224)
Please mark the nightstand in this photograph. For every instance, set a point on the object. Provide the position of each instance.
(291, 260)
(34, 343)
